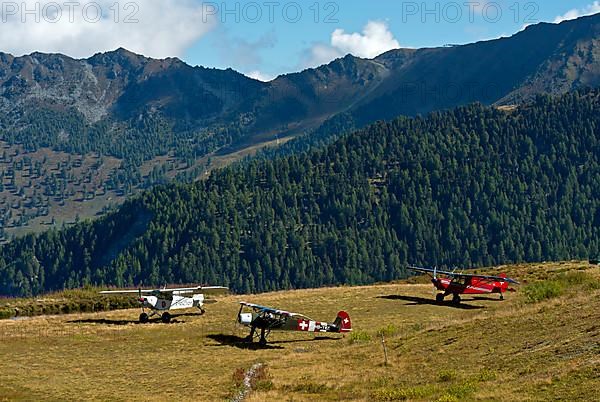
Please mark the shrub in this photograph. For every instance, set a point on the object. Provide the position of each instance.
(551, 288)
(486, 375)
(402, 394)
(461, 391)
(544, 290)
(447, 376)
(359, 336)
(447, 398)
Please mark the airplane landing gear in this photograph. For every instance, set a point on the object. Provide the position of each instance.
(144, 318)
(501, 296)
(456, 299)
(166, 317)
(439, 297)
(250, 337)
(263, 338)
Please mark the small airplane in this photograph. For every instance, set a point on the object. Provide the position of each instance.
(455, 284)
(268, 319)
(161, 301)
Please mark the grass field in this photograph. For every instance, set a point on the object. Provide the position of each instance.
(542, 343)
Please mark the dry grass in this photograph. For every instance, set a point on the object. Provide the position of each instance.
(490, 350)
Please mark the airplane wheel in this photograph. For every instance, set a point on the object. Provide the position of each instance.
(166, 318)
(439, 297)
(501, 296)
(456, 299)
(262, 342)
(202, 311)
(144, 318)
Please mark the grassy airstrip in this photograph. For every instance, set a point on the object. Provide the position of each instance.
(542, 343)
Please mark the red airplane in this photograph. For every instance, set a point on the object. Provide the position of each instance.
(456, 284)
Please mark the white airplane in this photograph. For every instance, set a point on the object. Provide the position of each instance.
(161, 301)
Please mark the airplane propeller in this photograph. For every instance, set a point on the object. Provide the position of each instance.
(434, 289)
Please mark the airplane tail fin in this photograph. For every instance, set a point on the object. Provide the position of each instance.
(504, 285)
(342, 322)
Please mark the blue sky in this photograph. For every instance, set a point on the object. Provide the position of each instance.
(264, 38)
(274, 43)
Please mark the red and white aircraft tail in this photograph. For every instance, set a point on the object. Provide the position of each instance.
(342, 322)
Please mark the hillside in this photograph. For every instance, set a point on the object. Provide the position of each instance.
(142, 111)
(469, 187)
(518, 350)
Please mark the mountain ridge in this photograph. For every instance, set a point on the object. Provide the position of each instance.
(165, 115)
(334, 87)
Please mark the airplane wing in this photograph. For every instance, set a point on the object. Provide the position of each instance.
(205, 289)
(125, 292)
(461, 275)
(489, 277)
(432, 271)
(264, 309)
(424, 270)
(197, 289)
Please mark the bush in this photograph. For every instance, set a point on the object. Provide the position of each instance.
(447, 376)
(461, 391)
(448, 398)
(544, 290)
(549, 289)
(359, 336)
(486, 375)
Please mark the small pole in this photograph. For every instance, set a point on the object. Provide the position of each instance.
(384, 348)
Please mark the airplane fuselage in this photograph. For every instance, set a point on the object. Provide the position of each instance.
(267, 319)
(469, 286)
(273, 322)
(174, 302)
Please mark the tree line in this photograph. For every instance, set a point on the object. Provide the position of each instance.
(473, 186)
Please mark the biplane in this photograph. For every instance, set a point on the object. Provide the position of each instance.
(456, 284)
(161, 301)
(267, 319)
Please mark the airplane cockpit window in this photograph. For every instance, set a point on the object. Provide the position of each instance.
(460, 280)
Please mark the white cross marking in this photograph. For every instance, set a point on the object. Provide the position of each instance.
(303, 325)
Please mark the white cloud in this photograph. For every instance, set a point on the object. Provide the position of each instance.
(257, 75)
(374, 40)
(155, 28)
(581, 12)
